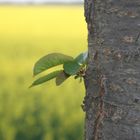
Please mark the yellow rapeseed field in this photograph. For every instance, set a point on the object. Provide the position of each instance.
(45, 112)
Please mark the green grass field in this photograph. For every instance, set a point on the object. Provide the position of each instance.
(45, 112)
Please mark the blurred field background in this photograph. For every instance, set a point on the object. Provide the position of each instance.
(45, 112)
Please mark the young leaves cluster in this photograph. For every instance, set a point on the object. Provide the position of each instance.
(71, 67)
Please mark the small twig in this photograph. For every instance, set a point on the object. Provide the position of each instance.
(137, 38)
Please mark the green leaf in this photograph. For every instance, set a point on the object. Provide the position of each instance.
(49, 61)
(82, 58)
(71, 67)
(61, 77)
(46, 78)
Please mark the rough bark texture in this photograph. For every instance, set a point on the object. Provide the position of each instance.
(112, 102)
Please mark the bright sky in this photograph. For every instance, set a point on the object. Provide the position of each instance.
(40, 1)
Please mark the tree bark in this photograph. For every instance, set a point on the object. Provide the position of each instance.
(112, 81)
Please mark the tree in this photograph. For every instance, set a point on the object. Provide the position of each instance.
(112, 81)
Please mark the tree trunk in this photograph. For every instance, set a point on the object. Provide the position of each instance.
(112, 81)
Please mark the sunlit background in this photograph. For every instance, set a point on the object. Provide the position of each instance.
(41, 1)
(28, 32)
